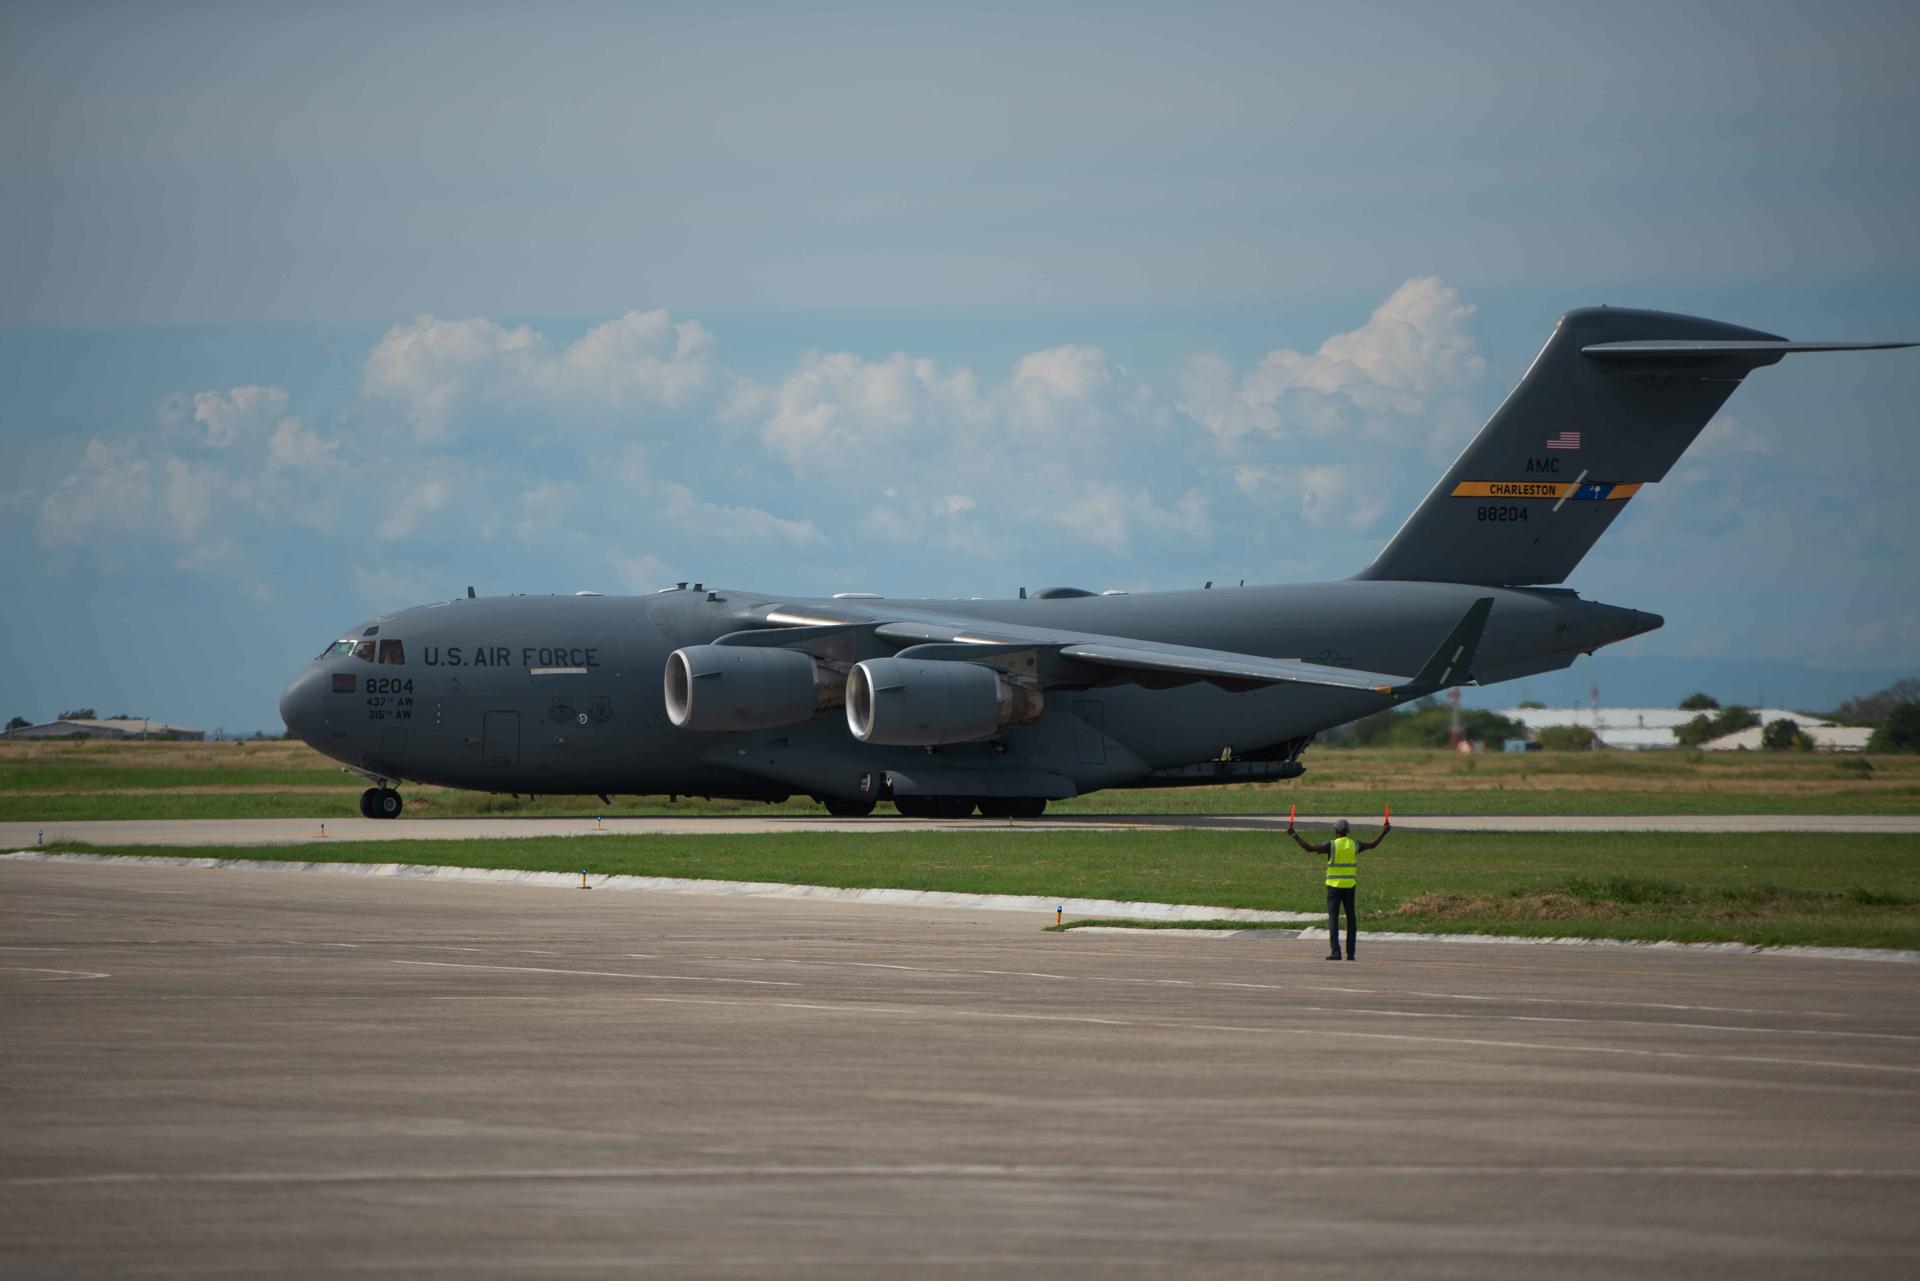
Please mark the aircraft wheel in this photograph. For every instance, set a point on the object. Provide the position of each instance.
(956, 807)
(847, 809)
(1030, 807)
(386, 803)
(996, 807)
(366, 802)
(915, 806)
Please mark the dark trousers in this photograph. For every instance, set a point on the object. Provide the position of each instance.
(1336, 899)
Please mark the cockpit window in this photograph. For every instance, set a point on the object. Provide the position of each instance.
(364, 651)
(336, 649)
(372, 631)
(391, 654)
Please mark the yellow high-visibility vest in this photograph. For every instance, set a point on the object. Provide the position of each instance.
(1343, 864)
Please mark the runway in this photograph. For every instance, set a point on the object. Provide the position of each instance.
(313, 1076)
(300, 831)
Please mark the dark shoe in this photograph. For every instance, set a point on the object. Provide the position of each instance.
(1349, 956)
(1334, 956)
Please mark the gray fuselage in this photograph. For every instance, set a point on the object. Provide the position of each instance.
(563, 694)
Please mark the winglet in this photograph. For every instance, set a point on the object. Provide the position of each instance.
(1452, 663)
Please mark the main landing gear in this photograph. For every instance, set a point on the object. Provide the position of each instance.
(848, 809)
(380, 802)
(1012, 806)
(939, 806)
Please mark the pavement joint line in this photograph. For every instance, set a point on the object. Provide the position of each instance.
(1305, 1033)
(1907, 956)
(66, 975)
(1362, 991)
(1137, 981)
(598, 974)
(957, 1170)
(1581, 1022)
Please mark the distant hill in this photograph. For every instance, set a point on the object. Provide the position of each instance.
(1663, 682)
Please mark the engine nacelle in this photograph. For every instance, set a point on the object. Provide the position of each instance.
(911, 702)
(735, 687)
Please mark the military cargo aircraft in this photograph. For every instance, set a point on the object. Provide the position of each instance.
(945, 708)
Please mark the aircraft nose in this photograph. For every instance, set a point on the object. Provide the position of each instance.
(300, 705)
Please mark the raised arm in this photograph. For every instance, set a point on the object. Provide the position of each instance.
(1322, 848)
(1384, 829)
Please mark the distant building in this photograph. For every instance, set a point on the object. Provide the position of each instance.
(1826, 737)
(113, 727)
(1635, 729)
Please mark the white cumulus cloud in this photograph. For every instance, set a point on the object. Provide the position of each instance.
(416, 503)
(979, 467)
(1111, 516)
(434, 368)
(1330, 495)
(224, 417)
(838, 412)
(1404, 374)
(110, 494)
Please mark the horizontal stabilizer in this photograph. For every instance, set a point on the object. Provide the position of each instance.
(1707, 349)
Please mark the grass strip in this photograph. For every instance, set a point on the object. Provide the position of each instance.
(1760, 888)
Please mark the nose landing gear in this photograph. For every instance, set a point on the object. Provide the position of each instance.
(380, 802)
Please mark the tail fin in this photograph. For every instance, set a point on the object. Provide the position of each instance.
(1609, 404)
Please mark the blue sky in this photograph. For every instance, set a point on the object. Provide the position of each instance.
(308, 313)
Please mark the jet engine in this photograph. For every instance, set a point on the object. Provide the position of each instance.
(913, 702)
(735, 687)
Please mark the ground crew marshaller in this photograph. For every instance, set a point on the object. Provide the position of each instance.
(1342, 869)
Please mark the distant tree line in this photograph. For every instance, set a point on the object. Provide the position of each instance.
(1893, 713)
(1565, 738)
(1899, 732)
(1874, 709)
(1708, 726)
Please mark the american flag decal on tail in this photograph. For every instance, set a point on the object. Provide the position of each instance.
(1565, 440)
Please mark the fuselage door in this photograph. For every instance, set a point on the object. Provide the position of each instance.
(500, 739)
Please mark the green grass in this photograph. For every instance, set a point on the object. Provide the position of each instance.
(1767, 888)
(1363, 803)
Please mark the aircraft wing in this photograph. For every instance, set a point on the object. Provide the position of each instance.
(1451, 664)
(1081, 658)
(1223, 667)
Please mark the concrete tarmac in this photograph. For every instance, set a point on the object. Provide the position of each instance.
(315, 1076)
(300, 831)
